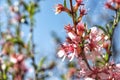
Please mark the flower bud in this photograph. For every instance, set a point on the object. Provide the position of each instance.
(59, 8)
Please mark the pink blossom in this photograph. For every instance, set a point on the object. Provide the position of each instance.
(109, 5)
(68, 50)
(82, 12)
(107, 72)
(116, 1)
(17, 58)
(80, 29)
(61, 53)
(79, 1)
(68, 28)
(71, 35)
(87, 78)
(59, 8)
(94, 39)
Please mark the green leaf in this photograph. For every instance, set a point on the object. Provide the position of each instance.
(9, 2)
(65, 4)
(63, 77)
(109, 29)
(76, 15)
(25, 6)
(17, 41)
(99, 62)
(5, 76)
(106, 57)
(29, 48)
(71, 64)
(41, 62)
(69, 14)
(119, 15)
(80, 44)
(102, 28)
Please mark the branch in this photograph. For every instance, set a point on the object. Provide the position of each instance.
(72, 13)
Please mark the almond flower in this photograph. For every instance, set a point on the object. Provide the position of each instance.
(116, 1)
(109, 5)
(80, 29)
(71, 47)
(107, 72)
(95, 39)
(82, 12)
(61, 53)
(70, 32)
(59, 8)
(18, 61)
(87, 78)
(16, 58)
(79, 2)
(96, 44)
(67, 50)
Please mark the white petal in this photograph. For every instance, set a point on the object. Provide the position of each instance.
(61, 53)
(63, 58)
(89, 78)
(71, 35)
(93, 29)
(118, 65)
(13, 60)
(56, 13)
(72, 56)
(3, 66)
(106, 37)
(98, 38)
(16, 3)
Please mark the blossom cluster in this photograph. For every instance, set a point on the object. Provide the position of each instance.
(110, 4)
(92, 47)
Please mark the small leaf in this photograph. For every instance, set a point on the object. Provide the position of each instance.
(99, 62)
(102, 28)
(65, 4)
(63, 77)
(71, 64)
(106, 57)
(76, 15)
(17, 41)
(9, 2)
(109, 30)
(41, 62)
(69, 14)
(25, 5)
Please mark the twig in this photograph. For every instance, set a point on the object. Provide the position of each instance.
(73, 15)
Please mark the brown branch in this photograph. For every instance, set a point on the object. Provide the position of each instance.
(85, 59)
(73, 15)
(75, 23)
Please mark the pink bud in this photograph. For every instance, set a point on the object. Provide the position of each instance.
(59, 8)
(79, 1)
